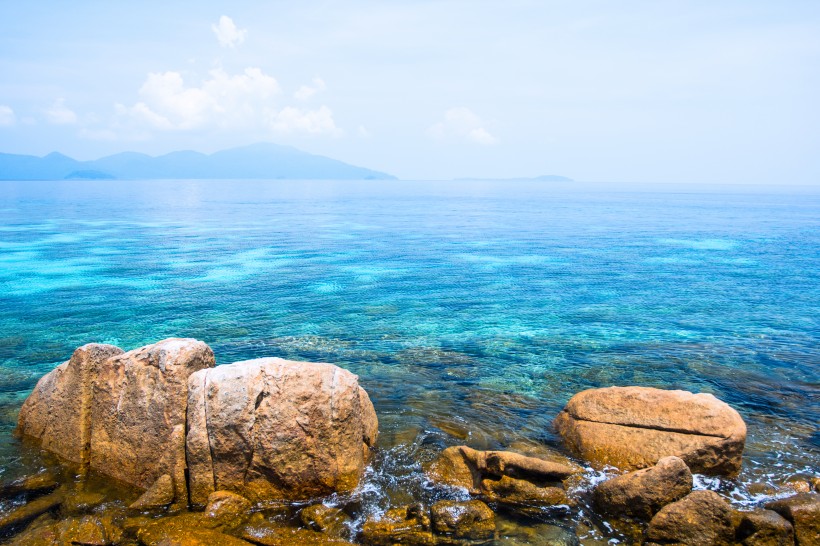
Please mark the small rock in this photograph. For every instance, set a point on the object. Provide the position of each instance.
(764, 528)
(227, 506)
(159, 495)
(80, 502)
(701, 518)
(329, 520)
(406, 525)
(179, 531)
(803, 511)
(797, 484)
(454, 467)
(31, 510)
(470, 520)
(270, 534)
(89, 530)
(642, 493)
(37, 484)
(513, 491)
(507, 463)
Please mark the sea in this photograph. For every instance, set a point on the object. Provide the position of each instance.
(471, 311)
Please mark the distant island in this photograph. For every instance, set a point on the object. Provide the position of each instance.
(260, 161)
(543, 178)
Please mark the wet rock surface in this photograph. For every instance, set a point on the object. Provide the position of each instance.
(803, 512)
(642, 493)
(634, 427)
(702, 518)
(764, 528)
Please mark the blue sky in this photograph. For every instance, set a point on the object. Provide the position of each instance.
(632, 91)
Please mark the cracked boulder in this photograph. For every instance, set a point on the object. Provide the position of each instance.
(277, 429)
(120, 414)
(634, 427)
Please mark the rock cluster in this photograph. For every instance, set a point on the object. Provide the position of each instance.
(446, 522)
(164, 419)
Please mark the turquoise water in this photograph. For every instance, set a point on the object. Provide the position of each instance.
(471, 312)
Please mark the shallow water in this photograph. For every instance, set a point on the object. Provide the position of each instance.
(471, 311)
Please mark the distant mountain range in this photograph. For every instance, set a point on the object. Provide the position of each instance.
(263, 160)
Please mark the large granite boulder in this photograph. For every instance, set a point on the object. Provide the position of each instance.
(121, 414)
(634, 427)
(57, 414)
(138, 412)
(277, 429)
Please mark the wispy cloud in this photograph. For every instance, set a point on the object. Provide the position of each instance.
(60, 114)
(307, 91)
(462, 124)
(7, 117)
(316, 122)
(228, 34)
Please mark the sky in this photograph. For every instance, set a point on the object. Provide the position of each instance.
(631, 91)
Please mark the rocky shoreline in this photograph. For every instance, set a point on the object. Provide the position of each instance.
(157, 446)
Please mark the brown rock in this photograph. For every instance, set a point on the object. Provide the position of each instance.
(139, 410)
(469, 520)
(523, 495)
(37, 484)
(406, 525)
(269, 534)
(634, 427)
(57, 413)
(227, 506)
(803, 511)
(456, 467)
(764, 528)
(81, 501)
(160, 494)
(507, 463)
(643, 492)
(329, 520)
(276, 429)
(29, 511)
(702, 518)
(89, 531)
(176, 531)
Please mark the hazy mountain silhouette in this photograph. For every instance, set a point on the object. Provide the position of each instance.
(255, 161)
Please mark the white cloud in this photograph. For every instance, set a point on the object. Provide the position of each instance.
(60, 114)
(306, 91)
(296, 120)
(227, 32)
(7, 117)
(462, 123)
(223, 100)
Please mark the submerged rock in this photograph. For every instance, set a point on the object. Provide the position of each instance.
(702, 518)
(160, 494)
(463, 519)
(408, 525)
(36, 484)
(276, 429)
(329, 520)
(642, 493)
(29, 511)
(634, 427)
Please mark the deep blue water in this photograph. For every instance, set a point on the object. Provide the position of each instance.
(471, 311)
